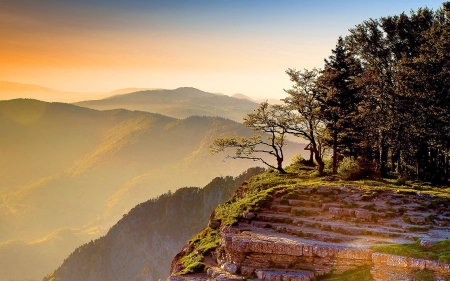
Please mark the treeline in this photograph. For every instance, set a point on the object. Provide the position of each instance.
(382, 99)
(384, 94)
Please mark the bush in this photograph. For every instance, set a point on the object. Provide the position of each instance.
(297, 159)
(349, 169)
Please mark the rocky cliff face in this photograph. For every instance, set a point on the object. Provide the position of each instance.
(315, 232)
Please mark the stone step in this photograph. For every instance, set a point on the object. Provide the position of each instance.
(189, 277)
(306, 232)
(309, 227)
(305, 212)
(281, 208)
(284, 275)
(223, 274)
(304, 203)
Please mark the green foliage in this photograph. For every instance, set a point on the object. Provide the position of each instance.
(349, 169)
(358, 274)
(270, 121)
(416, 228)
(297, 159)
(424, 275)
(439, 251)
(199, 246)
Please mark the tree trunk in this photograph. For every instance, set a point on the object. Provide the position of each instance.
(280, 166)
(383, 157)
(394, 160)
(335, 151)
(320, 164)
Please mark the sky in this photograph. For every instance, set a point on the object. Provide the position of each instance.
(218, 46)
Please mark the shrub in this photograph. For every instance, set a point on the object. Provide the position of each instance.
(349, 169)
(297, 159)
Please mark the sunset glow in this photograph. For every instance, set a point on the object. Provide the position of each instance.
(228, 47)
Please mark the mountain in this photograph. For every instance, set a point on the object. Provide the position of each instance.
(178, 103)
(69, 167)
(129, 90)
(13, 90)
(244, 97)
(141, 245)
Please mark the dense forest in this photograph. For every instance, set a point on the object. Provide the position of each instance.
(382, 100)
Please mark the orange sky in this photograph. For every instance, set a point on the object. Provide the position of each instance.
(237, 47)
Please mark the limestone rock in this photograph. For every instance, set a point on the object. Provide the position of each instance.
(341, 212)
(280, 275)
(363, 214)
(248, 215)
(230, 267)
(417, 219)
(427, 243)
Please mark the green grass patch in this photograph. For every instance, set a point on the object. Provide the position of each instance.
(424, 275)
(415, 228)
(199, 246)
(260, 190)
(439, 251)
(303, 213)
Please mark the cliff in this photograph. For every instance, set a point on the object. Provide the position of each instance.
(298, 227)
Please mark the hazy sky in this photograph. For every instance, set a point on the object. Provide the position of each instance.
(222, 46)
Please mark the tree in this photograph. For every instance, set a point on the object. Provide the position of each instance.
(338, 94)
(303, 111)
(270, 122)
(405, 88)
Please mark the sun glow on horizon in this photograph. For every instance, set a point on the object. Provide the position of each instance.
(230, 48)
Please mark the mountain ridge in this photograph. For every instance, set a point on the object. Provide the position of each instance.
(179, 103)
(62, 161)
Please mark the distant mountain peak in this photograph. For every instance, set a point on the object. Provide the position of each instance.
(242, 96)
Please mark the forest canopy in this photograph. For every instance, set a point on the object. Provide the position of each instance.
(381, 99)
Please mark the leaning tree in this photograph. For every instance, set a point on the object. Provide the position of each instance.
(303, 112)
(269, 121)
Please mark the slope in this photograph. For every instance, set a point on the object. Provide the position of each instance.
(64, 166)
(14, 90)
(141, 245)
(303, 227)
(179, 103)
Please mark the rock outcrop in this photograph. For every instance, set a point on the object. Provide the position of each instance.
(312, 232)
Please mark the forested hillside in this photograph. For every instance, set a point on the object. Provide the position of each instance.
(142, 244)
(78, 169)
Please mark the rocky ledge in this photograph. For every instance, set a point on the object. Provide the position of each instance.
(314, 232)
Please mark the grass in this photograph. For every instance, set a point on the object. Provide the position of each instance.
(424, 275)
(304, 213)
(199, 246)
(261, 189)
(415, 228)
(439, 251)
